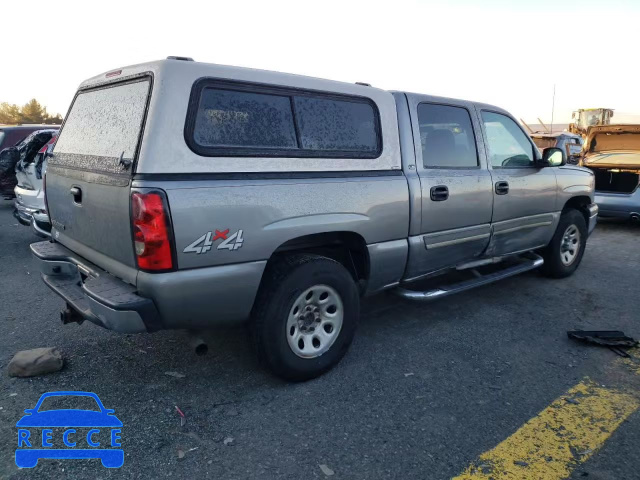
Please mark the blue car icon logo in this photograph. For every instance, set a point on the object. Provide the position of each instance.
(69, 433)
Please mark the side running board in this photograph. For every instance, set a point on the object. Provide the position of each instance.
(529, 261)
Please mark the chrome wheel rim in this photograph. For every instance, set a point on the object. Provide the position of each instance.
(570, 245)
(315, 321)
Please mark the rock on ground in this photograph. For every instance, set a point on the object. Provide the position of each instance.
(38, 361)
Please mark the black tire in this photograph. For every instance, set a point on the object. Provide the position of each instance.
(554, 266)
(284, 281)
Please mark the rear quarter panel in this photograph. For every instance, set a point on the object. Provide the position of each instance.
(271, 212)
(218, 286)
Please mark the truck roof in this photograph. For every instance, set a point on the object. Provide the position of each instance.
(174, 66)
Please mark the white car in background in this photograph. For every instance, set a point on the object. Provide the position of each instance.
(30, 207)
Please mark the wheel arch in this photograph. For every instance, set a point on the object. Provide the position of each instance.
(346, 247)
(580, 203)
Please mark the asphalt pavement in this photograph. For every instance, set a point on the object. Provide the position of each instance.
(424, 390)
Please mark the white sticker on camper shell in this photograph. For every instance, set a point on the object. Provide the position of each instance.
(205, 243)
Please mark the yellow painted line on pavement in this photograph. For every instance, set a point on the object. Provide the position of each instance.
(634, 361)
(563, 435)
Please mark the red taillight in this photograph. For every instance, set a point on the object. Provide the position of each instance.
(151, 231)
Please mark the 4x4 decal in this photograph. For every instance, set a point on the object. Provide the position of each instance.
(205, 242)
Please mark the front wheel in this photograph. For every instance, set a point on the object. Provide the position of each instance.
(305, 316)
(564, 253)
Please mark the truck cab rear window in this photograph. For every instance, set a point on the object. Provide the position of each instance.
(255, 121)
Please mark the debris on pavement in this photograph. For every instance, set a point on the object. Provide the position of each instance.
(175, 374)
(38, 361)
(613, 339)
(181, 453)
(182, 416)
(326, 470)
(228, 441)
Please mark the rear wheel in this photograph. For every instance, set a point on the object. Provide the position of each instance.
(564, 253)
(305, 316)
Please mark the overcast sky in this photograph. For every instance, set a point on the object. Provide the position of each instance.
(505, 52)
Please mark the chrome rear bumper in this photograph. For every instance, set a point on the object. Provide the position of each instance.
(93, 293)
(34, 218)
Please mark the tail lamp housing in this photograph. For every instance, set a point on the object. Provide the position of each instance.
(152, 233)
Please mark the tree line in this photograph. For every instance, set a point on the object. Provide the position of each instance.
(30, 112)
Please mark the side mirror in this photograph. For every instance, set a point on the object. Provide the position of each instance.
(553, 157)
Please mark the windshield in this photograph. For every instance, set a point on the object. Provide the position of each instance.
(590, 118)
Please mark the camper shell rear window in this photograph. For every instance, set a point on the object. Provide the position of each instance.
(234, 119)
(103, 128)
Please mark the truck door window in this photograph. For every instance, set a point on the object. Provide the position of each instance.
(507, 144)
(446, 136)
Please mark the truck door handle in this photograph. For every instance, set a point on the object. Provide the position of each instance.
(502, 188)
(439, 193)
(76, 192)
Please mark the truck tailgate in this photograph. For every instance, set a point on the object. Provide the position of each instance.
(89, 175)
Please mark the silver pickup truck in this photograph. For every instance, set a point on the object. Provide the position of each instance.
(188, 195)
